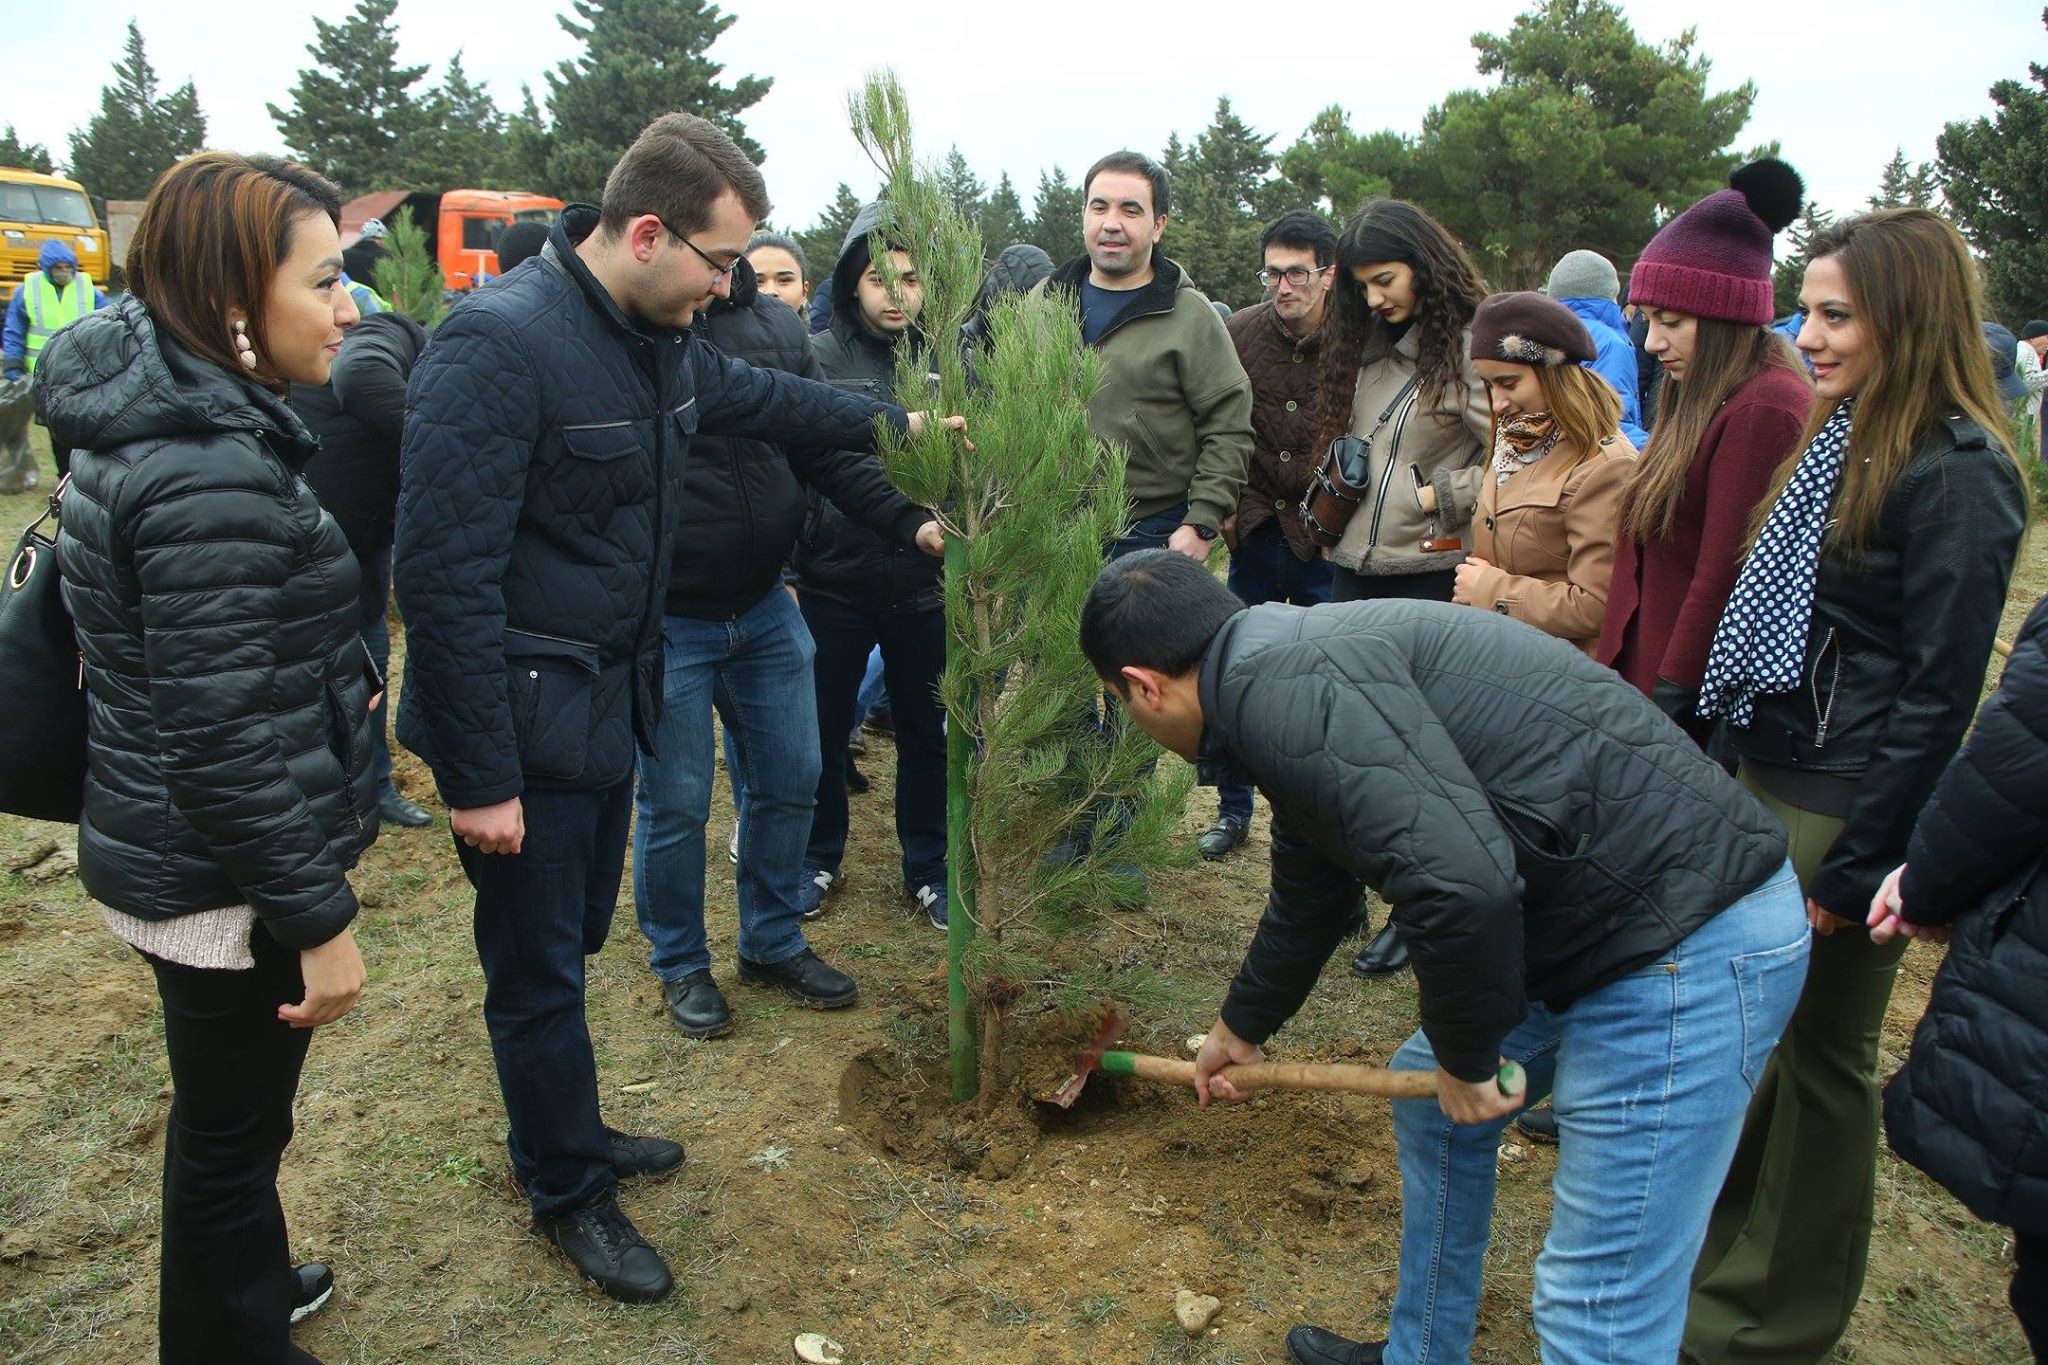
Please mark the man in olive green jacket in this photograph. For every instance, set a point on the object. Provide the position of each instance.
(1173, 394)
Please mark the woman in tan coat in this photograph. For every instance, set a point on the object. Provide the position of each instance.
(1543, 535)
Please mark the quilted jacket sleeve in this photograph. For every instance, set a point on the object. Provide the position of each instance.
(211, 559)
(1988, 817)
(1414, 823)
(1964, 515)
(470, 432)
(736, 399)
(369, 380)
(855, 484)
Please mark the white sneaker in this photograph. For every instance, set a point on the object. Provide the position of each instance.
(732, 845)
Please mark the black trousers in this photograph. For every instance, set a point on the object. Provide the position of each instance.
(1434, 586)
(2029, 1295)
(226, 1285)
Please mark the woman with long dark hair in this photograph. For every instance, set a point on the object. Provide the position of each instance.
(1848, 664)
(1543, 537)
(227, 696)
(1395, 372)
(1735, 400)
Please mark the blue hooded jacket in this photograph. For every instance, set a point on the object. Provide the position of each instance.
(1614, 360)
(14, 337)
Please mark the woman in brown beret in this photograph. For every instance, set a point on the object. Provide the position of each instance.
(1543, 534)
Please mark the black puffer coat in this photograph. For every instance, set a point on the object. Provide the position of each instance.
(358, 416)
(547, 436)
(744, 500)
(227, 689)
(837, 557)
(1895, 656)
(1970, 1107)
(1539, 828)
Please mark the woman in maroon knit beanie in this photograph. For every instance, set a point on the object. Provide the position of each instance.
(1735, 402)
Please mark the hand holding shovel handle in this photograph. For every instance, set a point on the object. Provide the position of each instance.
(1344, 1077)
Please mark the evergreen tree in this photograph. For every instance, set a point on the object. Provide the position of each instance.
(353, 116)
(1340, 169)
(523, 155)
(1055, 224)
(823, 240)
(641, 59)
(1223, 195)
(1026, 514)
(963, 189)
(138, 132)
(1904, 185)
(461, 140)
(407, 273)
(1790, 272)
(1002, 218)
(1994, 175)
(28, 156)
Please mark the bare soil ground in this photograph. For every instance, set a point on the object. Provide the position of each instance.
(829, 1186)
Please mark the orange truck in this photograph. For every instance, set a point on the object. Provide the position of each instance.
(462, 226)
(36, 208)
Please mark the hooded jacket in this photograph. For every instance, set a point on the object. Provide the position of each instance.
(227, 690)
(745, 501)
(1173, 395)
(1017, 270)
(1614, 360)
(1970, 1106)
(546, 442)
(837, 557)
(1539, 828)
(358, 416)
(14, 333)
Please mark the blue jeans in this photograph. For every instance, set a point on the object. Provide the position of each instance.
(1650, 1076)
(874, 689)
(375, 627)
(756, 669)
(1263, 569)
(539, 913)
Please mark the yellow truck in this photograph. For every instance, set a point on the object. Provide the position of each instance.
(36, 208)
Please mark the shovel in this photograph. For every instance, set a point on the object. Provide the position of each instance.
(1344, 1077)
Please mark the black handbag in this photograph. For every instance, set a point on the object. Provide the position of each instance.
(42, 684)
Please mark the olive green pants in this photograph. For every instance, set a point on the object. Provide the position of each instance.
(1782, 1265)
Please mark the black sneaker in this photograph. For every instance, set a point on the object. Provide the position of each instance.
(697, 1007)
(602, 1243)
(1314, 1346)
(806, 977)
(1221, 838)
(817, 884)
(857, 783)
(313, 1288)
(637, 1156)
(931, 899)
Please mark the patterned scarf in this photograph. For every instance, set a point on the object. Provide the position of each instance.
(1521, 441)
(1761, 641)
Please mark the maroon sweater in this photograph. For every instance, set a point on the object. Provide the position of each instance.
(1666, 596)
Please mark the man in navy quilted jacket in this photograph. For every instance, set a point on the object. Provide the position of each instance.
(547, 431)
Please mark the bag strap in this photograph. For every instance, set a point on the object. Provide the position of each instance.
(56, 504)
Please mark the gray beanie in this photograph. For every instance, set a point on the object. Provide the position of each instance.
(1584, 275)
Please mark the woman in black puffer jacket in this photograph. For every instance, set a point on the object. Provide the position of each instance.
(1848, 662)
(227, 692)
(1970, 1107)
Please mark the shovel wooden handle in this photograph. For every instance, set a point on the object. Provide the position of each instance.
(1346, 1077)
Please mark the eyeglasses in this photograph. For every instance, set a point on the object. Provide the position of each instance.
(1296, 275)
(718, 272)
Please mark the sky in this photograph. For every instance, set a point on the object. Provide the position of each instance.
(1023, 86)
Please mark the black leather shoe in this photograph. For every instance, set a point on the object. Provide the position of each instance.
(1384, 956)
(393, 809)
(806, 977)
(1538, 1125)
(1226, 834)
(1314, 1346)
(856, 781)
(313, 1287)
(697, 1007)
(602, 1242)
(637, 1156)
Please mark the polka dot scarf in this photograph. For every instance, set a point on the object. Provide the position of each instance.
(1761, 641)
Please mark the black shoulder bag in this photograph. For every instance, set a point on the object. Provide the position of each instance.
(1344, 478)
(42, 684)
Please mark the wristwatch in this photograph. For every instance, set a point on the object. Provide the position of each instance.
(1206, 532)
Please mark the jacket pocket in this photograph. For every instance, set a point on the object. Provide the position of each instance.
(550, 681)
(1767, 985)
(602, 441)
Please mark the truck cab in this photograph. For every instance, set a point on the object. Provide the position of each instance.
(462, 226)
(36, 208)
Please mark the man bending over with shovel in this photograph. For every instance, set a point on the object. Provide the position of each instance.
(1581, 890)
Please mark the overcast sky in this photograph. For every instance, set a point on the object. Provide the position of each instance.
(1024, 84)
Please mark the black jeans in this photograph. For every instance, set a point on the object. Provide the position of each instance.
(1434, 586)
(226, 1284)
(375, 627)
(913, 655)
(2029, 1294)
(539, 913)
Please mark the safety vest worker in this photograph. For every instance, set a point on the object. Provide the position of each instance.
(55, 295)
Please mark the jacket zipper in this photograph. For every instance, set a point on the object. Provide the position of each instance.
(1379, 505)
(543, 635)
(348, 747)
(1824, 714)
